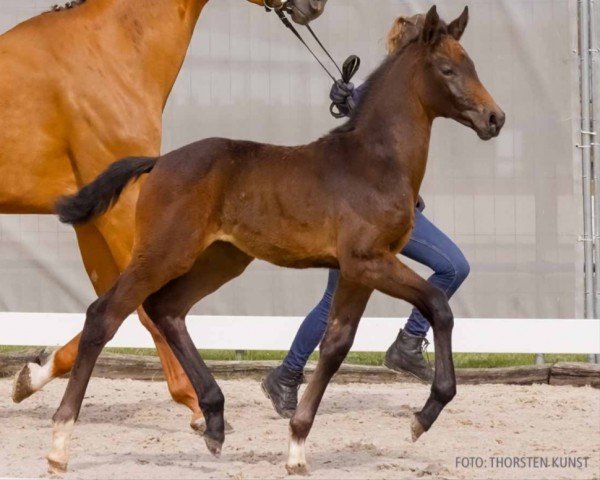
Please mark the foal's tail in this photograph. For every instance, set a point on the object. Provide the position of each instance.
(97, 197)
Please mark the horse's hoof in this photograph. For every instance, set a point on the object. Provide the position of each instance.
(199, 425)
(22, 387)
(297, 469)
(416, 428)
(214, 446)
(56, 467)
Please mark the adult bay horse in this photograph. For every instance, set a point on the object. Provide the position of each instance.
(80, 87)
(344, 201)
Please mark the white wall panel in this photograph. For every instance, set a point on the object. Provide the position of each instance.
(511, 204)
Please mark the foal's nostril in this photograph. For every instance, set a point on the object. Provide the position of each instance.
(496, 122)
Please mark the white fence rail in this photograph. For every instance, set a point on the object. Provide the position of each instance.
(471, 335)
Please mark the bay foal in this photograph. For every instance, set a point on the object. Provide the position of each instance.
(345, 201)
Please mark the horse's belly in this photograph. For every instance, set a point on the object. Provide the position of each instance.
(286, 249)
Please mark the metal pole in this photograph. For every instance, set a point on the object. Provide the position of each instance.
(595, 151)
(586, 147)
(594, 54)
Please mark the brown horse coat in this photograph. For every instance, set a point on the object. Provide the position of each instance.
(346, 200)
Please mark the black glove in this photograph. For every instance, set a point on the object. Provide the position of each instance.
(342, 91)
(341, 96)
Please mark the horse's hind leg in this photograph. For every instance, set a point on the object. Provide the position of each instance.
(103, 271)
(168, 307)
(100, 325)
(348, 306)
(144, 276)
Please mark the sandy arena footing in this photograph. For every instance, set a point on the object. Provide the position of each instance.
(130, 429)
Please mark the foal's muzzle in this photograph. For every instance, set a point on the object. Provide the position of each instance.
(487, 123)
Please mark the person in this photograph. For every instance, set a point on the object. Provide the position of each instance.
(428, 245)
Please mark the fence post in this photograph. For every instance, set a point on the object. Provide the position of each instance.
(539, 359)
(240, 355)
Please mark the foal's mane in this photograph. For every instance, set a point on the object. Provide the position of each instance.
(66, 6)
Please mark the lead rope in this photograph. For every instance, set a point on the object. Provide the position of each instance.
(324, 49)
(289, 25)
(351, 65)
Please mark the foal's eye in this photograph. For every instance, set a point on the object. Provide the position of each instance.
(447, 71)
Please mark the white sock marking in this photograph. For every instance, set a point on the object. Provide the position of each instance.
(40, 375)
(297, 452)
(61, 439)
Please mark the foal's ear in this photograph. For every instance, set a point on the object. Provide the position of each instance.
(457, 27)
(431, 27)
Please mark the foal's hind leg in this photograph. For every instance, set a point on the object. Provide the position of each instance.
(348, 306)
(144, 276)
(168, 307)
(102, 267)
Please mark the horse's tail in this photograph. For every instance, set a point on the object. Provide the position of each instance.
(97, 197)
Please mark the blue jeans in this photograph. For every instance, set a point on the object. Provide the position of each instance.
(428, 245)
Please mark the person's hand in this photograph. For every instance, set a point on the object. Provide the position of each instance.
(340, 91)
(341, 96)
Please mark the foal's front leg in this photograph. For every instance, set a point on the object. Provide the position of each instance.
(384, 272)
(348, 306)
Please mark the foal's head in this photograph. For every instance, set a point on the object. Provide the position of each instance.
(448, 85)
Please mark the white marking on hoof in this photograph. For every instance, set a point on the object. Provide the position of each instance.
(32, 378)
(296, 464)
(416, 428)
(199, 425)
(58, 458)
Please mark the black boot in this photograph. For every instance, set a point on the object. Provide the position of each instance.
(281, 387)
(406, 355)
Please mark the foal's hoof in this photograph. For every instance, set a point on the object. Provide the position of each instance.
(22, 387)
(416, 428)
(214, 446)
(56, 468)
(199, 425)
(297, 469)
